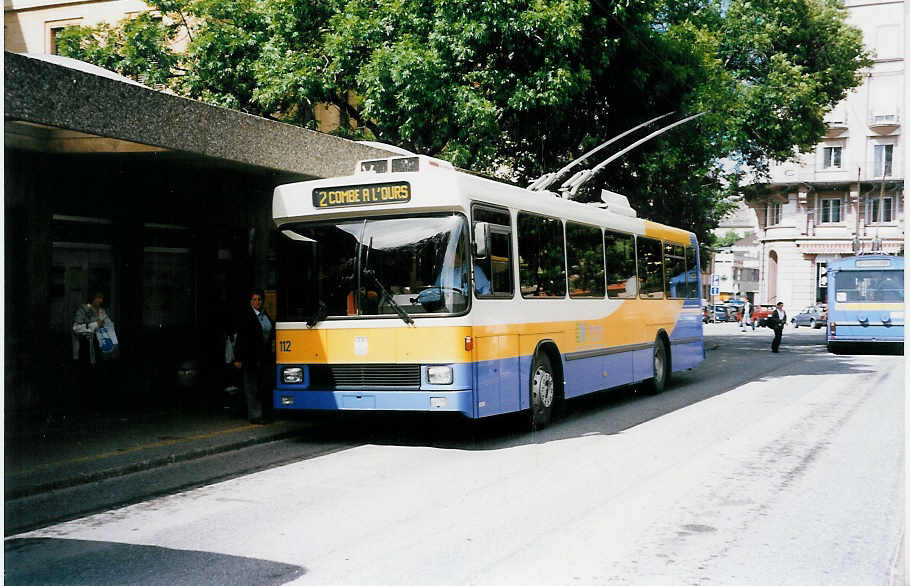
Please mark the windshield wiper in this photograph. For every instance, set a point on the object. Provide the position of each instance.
(388, 297)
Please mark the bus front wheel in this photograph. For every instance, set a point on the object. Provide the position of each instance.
(543, 391)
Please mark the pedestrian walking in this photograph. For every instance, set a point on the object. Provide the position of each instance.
(776, 321)
(747, 316)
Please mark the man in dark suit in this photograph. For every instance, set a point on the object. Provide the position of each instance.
(776, 321)
(253, 354)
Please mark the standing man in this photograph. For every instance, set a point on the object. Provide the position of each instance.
(253, 354)
(777, 320)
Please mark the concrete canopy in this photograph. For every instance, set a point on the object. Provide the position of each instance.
(63, 103)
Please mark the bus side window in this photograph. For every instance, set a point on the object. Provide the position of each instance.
(541, 256)
(674, 271)
(622, 282)
(692, 272)
(493, 273)
(585, 252)
(650, 268)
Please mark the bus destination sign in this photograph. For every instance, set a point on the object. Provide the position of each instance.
(358, 195)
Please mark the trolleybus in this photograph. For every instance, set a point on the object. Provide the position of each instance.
(415, 286)
(865, 301)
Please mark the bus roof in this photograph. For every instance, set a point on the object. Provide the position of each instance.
(423, 184)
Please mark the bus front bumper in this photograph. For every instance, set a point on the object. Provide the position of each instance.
(378, 400)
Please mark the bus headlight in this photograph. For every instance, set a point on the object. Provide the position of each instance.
(439, 375)
(292, 375)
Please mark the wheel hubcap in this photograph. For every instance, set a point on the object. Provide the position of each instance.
(543, 387)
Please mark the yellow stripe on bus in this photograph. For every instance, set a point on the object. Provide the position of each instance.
(675, 235)
(868, 306)
(634, 322)
(373, 345)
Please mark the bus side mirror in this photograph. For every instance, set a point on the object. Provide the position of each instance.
(481, 239)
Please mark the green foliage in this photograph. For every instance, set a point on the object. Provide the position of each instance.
(727, 239)
(516, 88)
(137, 48)
(794, 60)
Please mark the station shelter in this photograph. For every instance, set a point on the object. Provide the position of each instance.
(162, 204)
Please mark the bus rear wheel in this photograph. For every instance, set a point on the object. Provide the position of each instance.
(543, 392)
(661, 364)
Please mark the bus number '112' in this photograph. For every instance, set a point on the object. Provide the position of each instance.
(285, 345)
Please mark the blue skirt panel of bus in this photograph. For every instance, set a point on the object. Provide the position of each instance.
(499, 386)
(502, 385)
(876, 333)
(686, 355)
(428, 397)
(586, 375)
(451, 401)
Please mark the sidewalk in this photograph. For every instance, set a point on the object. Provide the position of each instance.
(45, 455)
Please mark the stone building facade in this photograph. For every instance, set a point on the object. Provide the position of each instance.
(847, 196)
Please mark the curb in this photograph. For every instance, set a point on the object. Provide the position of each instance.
(143, 465)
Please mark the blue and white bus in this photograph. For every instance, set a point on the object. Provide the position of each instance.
(865, 301)
(414, 286)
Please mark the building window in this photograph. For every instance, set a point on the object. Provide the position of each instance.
(832, 157)
(774, 213)
(883, 157)
(52, 30)
(830, 211)
(880, 210)
(55, 34)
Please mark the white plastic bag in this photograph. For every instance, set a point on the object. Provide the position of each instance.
(230, 343)
(107, 339)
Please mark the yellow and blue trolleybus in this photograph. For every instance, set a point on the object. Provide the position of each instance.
(414, 286)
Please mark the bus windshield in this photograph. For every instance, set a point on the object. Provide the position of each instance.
(866, 285)
(374, 267)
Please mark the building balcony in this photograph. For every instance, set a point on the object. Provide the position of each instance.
(835, 124)
(884, 123)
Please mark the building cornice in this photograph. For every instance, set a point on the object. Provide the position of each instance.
(758, 191)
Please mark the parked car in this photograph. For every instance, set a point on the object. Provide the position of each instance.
(814, 317)
(760, 314)
(720, 313)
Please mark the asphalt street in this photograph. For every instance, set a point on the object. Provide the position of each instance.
(754, 468)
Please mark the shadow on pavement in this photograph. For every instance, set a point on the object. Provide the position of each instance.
(73, 562)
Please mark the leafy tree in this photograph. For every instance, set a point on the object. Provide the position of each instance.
(516, 88)
(727, 239)
(137, 48)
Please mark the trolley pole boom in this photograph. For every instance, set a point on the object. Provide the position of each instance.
(571, 187)
(546, 180)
